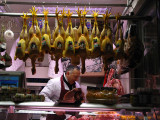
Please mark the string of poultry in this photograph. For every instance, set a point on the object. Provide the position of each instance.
(34, 46)
(58, 39)
(82, 41)
(106, 42)
(22, 44)
(74, 44)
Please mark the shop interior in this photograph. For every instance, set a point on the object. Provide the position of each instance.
(131, 66)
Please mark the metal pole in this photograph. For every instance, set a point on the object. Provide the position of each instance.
(60, 4)
(76, 16)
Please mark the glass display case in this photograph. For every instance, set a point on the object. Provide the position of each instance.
(83, 111)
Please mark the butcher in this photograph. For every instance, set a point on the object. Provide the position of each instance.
(56, 89)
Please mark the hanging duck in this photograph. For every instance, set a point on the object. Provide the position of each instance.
(46, 34)
(95, 38)
(119, 41)
(58, 39)
(34, 40)
(22, 44)
(106, 42)
(83, 39)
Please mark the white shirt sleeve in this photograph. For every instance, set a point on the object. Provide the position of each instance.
(51, 91)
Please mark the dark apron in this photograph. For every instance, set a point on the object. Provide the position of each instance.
(63, 92)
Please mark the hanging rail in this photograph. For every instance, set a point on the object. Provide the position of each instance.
(60, 4)
(148, 18)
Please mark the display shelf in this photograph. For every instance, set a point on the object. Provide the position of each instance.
(52, 106)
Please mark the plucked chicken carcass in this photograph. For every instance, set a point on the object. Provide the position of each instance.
(119, 41)
(69, 43)
(22, 44)
(82, 27)
(34, 40)
(46, 35)
(58, 39)
(95, 39)
(83, 40)
(106, 42)
(133, 49)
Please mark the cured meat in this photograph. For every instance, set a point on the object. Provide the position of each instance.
(74, 95)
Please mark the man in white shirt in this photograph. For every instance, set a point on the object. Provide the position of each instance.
(58, 87)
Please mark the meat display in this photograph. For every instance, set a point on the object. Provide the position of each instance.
(77, 44)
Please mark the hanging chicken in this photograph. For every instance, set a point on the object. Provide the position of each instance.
(95, 38)
(58, 39)
(46, 35)
(69, 42)
(22, 44)
(82, 27)
(34, 40)
(106, 42)
(83, 39)
(119, 41)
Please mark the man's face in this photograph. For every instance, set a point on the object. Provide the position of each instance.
(73, 76)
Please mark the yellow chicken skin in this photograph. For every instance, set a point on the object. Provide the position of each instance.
(82, 29)
(83, 45)
(69, 42)
(106, 42)
(24, 33)
(23, 42)
(95, 40)
(58, 39)
(46, 35)
(119, 41)
(20, 50)
(34, 41)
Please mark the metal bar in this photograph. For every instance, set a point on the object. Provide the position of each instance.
(148, 18)
(60, 4)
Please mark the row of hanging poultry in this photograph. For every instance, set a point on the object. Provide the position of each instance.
(72, 43)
